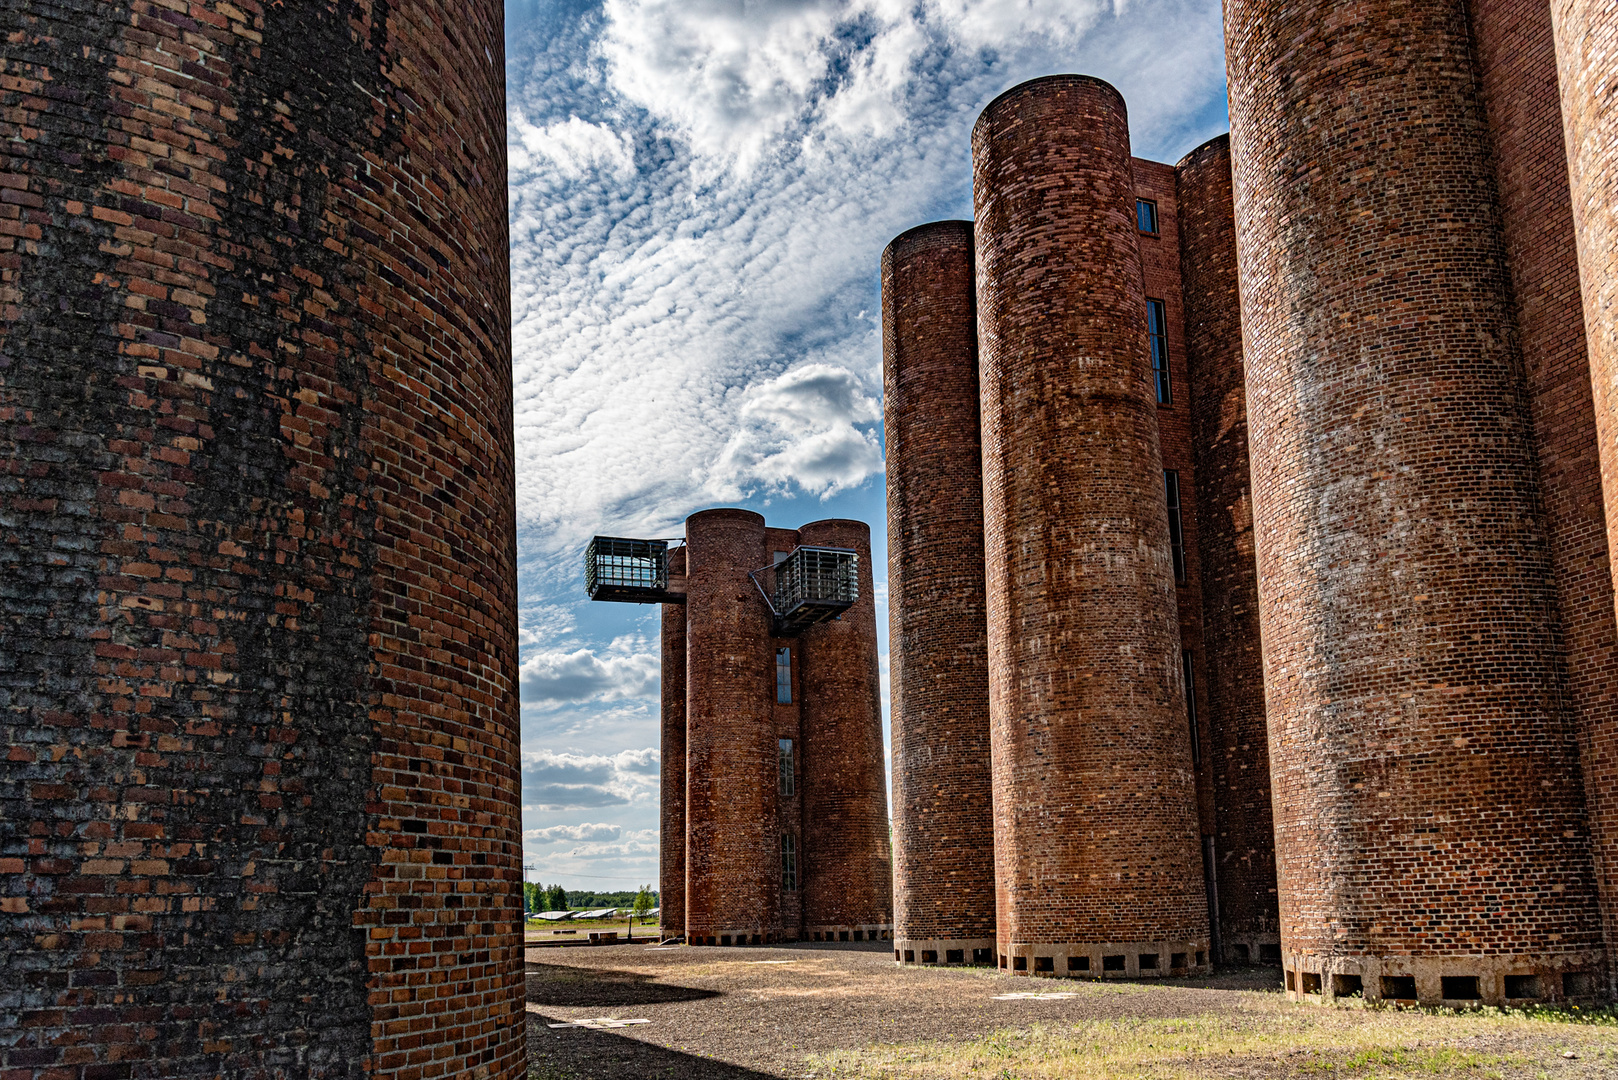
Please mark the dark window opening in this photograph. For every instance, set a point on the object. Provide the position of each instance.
(1112, 963)
(1399, 987)
(1460, 987)
(1019, 963)
(1269, 953)
(1522, 986)
(1290, 984)
(1578, 984)
(783, 676)
(1044, 963)
(982, 956)
(1078, 963)
(1311, 982)
(1146, 216)
(1148, 961)
(1177, 960)
(784, 758)
(954, 956)
(842, 935)
(1347, 986)
(1202, 957)
(1157, 336)
(1191, 707)
(910, 956)
(1242, 954)
(1171, 492)
(789, 863)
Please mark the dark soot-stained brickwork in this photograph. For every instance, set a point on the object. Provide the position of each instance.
(257, 640)
(1420, 743)
(943, 827)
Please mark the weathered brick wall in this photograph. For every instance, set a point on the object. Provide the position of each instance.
(1091, 762)
(787, 724)
(1237, 746)
(1160, 277)
(1429, 813)
(943, 815)
(671, 823)
(1586, 40)
(1517, 65)
(847, 867)
(257, 653)
(732, 883)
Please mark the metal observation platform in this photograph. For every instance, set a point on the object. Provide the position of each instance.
(811, 585)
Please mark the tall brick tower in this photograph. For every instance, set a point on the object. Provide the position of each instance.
(257, 632)
(774, 809)
(1586, 49)
(1092, 769)
(1431, 836)
(943, 816)
(1242, 862)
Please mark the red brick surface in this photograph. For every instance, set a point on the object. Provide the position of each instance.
(847, 867)
(1429, 811)
(732, 882)
(257, 660)
(1586, 45)
(1091, 761)
(943, 817)
(1233, 684)
(671, 833)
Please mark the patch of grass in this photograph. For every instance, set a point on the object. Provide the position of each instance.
(1267, 1040)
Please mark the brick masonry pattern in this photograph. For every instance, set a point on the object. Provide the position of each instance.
(1091, 761)
(257, 655)
(1419, 746)
(943, 816)
(671, 832)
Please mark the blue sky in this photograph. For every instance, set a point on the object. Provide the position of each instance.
(700, 194)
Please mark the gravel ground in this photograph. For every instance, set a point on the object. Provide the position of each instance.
(738, 1014)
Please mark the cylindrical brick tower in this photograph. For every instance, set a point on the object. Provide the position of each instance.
(732, 882)
(848, 871)
(671, 833)
(1244, 841)
(943, 814)
(1431, 838)
(257, 627)
(1097, 863)
(1586, 45)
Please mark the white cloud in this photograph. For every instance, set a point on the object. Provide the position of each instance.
(557, 834)
(626, 669)
(813, 427)
(552, 781)
(572, 147)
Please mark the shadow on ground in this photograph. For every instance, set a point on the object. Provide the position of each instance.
(554, 984)
(581, 1054)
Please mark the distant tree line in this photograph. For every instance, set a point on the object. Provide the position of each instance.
(537, 897)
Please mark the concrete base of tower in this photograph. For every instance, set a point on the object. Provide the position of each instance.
(1260, 948)
(1109, 960)
(925, 952)
(1456, 981)
(737, 936)
(849, 932)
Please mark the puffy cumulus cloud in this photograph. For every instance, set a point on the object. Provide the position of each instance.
(813, 426)
(625, 669)
(552, 781)
(559, 834)
(571, 147)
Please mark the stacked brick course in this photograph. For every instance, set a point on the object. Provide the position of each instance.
(1420, 742)
(943, 827)
(847, 865)
(736, 809)
(257, 632)
(671, 833)
(1091, 760)
(1243, 863)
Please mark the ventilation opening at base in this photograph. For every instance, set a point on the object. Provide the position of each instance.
(1112, 963)
(1202, 958)
(1578, 984)
(1347, 986)
(1269, 954)
(1522, 986)
(954, 956)
(929, 956)
(1460, 987)
(1399, 987)
(1044, 963)
(1019, 963)
(1311, 982)
(982, 956)
(910, 956)
(1177, 960)
(1078, 963)
(1244, 955)
(1148, 961)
